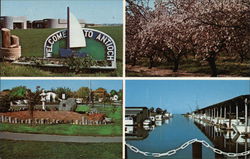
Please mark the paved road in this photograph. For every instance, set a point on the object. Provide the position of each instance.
(58, 138)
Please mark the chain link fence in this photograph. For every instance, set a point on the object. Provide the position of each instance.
(183, 146)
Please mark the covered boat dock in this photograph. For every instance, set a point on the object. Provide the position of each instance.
(230, 114)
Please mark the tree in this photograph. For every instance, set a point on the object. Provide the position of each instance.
(218, 25)
(63, 90)
(120, 94)
(83, 92)
(5, 102)
(106, 99)
(164, 111)
(113, 92)
(17, 93)
(33, 99)
(151, 110)
(167, 35)
(179, 28)
(91, 98)
(137, 14)
(96, 98)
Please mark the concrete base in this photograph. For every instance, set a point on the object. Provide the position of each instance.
(11, 54)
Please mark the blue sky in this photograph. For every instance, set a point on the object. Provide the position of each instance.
(73, 84)
(92, 11)
(178, 96)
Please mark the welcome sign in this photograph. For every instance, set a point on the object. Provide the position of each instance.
(99, 46)
(81, 42)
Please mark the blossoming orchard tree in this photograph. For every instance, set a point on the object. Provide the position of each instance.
(167, 35)
(219, 25)
(175, 29)
(137, 14)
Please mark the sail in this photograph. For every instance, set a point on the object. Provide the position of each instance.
(76, 37)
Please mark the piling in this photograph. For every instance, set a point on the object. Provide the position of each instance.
(197, 150)
(126, 151)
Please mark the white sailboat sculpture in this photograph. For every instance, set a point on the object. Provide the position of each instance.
(75, 37)
(75, 34)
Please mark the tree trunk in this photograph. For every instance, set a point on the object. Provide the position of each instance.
(150, 62)
(31, 110)
(212, 64)
(134, 61)
(176, 65)
(241, 58)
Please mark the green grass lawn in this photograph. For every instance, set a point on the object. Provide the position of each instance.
(55, 150)
(65, 129)
(82, 109)
(32, 42)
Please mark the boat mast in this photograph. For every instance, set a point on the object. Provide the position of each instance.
(68, 22)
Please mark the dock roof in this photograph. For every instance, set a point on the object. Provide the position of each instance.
(239, 100)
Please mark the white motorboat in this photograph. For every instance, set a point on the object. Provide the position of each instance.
(241, 129)
(158, 123)
(152, 118)
(147, 122)
(129, 129)
(158, 117)
(129, 121)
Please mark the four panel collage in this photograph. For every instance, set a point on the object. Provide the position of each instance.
(125, 79)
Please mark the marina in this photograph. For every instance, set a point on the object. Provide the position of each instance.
(232, 115)
(218, 131)
(171, 136)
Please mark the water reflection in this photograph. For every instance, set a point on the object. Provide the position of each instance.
(140, 132)
(172, 133)
(225, 140)
(136, 133)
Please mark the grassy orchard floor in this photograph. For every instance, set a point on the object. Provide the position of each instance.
(32, 42)
(190, 67)
(46, 150)
(114, 129)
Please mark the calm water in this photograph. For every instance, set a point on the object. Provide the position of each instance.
(171, 135)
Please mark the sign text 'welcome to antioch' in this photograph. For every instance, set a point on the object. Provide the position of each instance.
(88, 33)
